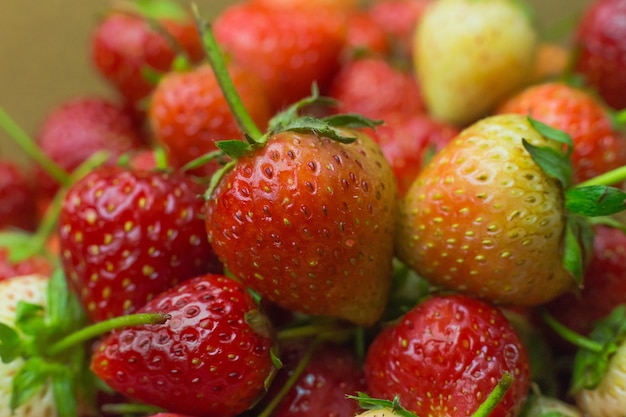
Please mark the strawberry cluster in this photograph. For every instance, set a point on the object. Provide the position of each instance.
(304, 208)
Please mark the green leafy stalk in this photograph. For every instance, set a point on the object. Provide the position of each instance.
(31, 149)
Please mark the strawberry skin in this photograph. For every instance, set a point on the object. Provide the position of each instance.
(17, 205)
(445, 356)
(308, 223)
(126, 236)
(211, 358)
(483, 217)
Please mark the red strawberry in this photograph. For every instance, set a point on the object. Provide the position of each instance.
(597, 147)
(212, 358)
(600, 50)
(35, 264)
(312, 6)
(408, 142)
(604, 284)
(445, 356)
(18, 207)
(298, 47)
(124, 45)
(127, 235)
(374, 88)
(77, 128)
(365, 36)
(331, 373)
(188, 112)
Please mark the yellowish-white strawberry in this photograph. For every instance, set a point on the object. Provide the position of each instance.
(31, 289)
(470, 54)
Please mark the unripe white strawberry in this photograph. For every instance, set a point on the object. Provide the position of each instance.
(31, 289)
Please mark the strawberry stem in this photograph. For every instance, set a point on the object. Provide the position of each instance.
(614, 176)
(103, 327)
(299, 332)
(125, 409)
(293, 378)
(495, 397)
(31, 149)
(217, 62)
(571, 336)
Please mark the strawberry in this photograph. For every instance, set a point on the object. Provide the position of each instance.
(127, 43)
(365, 36)
(445, 356)
(600, 50)
(598, 148)
(374, 88)
(127, 235)
(298, 48)
(36, 264)
(188, 112)
(77, 128)
(494, 213)
(17, 205)
(469, 55)
(331, 372)
(604, 284)
(408, 141)
(312, 6)
(212, 357)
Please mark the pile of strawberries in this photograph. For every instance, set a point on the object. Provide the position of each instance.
(308, 208)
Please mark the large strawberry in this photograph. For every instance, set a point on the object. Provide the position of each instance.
(445, 356)
(598, 148)
(600, 50)
(211, 358)
(126, 235)
(494, 213)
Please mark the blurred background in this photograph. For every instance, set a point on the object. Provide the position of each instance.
(44, 56)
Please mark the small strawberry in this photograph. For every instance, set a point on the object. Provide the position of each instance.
(127, 235)
(470, 55)
(374, 88)
(365, 36)
(598, 148)
(18, 206)
(445, 356)
(77, 128)
(298, 48)
(140, 38)
(329, 374)
(188, 112)
(494, 213)
(600, 50)
(212, 357)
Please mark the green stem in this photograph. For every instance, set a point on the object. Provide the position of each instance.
(310, 330)
(619, 117)
(495, 397)
(293, 378)
(216, 59)
(571, 336)
(612, 177)
(31, 149)
(125, 409)
(103, 327)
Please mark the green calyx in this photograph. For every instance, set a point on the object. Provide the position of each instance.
(584, 201)
(52, 342)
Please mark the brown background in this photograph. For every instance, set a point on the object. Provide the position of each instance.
(44, 56)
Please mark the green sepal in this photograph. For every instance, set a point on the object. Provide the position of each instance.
(10, 343)
(151, 75)
(351, 120)
(160, 10)
(282, 118)
(203, 160)
(29, 318)
(553, 134)
(554, 163)
(590, 366)
(310, 124)
(19, 245)
(234, 148)
(216, 178)
(595, 200)
(64, 313)
(64, 392)
(31, 378)
(577, 244)
(368, 403)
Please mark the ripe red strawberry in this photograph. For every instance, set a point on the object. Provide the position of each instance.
(128, 235)
(598, 148)
(365, 35)
(409, 141)
(188, 112)
(18, 206)
(298, 47)
(124, 45)
(484, 217)
(604, 284)
(211, 358)
(600, 50)
(445, 356)
(374, 88)
(77, 128)
(332, 372)
(335, 5)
